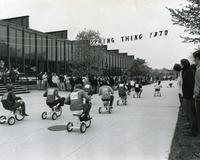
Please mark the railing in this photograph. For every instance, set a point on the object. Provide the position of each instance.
(26, 80)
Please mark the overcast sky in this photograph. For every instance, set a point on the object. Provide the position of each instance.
(112, 18)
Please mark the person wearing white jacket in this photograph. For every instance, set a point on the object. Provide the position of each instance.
(177, 68)
(55, 80)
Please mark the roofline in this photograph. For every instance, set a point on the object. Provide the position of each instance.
(15, 17)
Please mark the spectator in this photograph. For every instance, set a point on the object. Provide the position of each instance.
(3, 71)
(111, 82)
(67, 83)
(39, 81)
(132, 82)
(72, 82)
(61, 84)
(178, 69)
(197, 86)
(12, 75)
(188, 101)
(17, 73)
(44, 80)
(55, 80)
(95, 84)
(50, 79)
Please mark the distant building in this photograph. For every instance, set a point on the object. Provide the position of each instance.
(34, 51)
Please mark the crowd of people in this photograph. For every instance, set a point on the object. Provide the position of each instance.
(81, 89)
(11, 74)
(67, 83)
(189, 93)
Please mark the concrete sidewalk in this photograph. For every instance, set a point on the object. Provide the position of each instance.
(142, 130)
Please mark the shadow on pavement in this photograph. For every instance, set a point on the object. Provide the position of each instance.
(57, 128)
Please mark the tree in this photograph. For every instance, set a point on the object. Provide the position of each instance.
(89, 61)
(161, 74)
(91, 35)
(188, 17)
(139, 68)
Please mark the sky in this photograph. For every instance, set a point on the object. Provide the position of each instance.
(113, 19)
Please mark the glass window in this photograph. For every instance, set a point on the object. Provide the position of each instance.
(81, 52)
(58, 51)
(78, 53)
(32, 54)
(19, 56)
(12, 46)
(75, 54)
(54, 50)
(62, 65)
(3, 44)
(44, 54)
(39, 47)
(62, 51)
(66, 51)
(70, 51)
(67, 54)
(27, 48)
(111, 58)
(58, 55)
(108, 59)
(114, 60)
(121, 62)
(53, 69)
(49, 50)
(39, 53)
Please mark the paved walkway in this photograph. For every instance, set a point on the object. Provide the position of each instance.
(142, 130)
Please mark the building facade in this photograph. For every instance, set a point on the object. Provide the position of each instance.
(33, 51)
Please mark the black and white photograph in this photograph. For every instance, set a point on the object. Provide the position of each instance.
(100, 80)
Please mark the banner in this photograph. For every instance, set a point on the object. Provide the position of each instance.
(129, 38)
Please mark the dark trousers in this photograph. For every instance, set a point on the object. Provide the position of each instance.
(45, 84)
(111, 100)
(123, 95)
(17, 105)
(189, 105)
(197, 106)
(181, 104)
(3, 79)
(72, 87)
(59, 101)
(138, 94)
(95, 89)
(86, 108)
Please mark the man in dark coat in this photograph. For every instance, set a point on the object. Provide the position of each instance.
(188, 100)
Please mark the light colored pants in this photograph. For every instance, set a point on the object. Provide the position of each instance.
(62, 86)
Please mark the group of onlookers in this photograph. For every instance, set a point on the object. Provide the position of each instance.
(66, 83)
(189, 93)
(11, 74)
